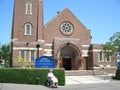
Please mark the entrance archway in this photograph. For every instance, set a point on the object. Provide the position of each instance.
(67, 54)
(69, 57)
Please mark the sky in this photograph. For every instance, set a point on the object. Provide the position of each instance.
(101, 17)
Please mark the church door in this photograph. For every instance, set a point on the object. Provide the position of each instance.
(67, 54)
(67, 63)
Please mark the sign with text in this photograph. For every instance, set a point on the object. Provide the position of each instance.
(44, 62)
(119, 64)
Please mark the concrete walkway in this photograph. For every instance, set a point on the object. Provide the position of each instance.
(70, 81)
(87, 79)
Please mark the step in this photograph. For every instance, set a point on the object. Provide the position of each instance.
(83, 72)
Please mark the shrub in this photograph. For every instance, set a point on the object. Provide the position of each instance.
(30, 76)
(117, 76)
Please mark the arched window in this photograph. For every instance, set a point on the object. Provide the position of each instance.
(28, 28)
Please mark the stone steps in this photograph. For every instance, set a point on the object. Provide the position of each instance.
(84, 72)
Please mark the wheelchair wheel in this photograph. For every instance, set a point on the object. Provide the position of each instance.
(56, 85)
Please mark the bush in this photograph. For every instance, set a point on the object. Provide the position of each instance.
(117, 76)
(30, 76)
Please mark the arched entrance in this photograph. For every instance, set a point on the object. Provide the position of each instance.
(69, 57)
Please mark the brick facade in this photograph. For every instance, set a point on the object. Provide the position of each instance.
(64, 38)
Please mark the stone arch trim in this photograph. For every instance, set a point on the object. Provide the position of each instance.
(77, 50)
(75, 61)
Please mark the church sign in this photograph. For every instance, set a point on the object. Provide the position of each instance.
(44, 62)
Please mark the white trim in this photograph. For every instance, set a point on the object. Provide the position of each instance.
(14, 39)
(29, 56)
(111, 67)
(26, 10)
(48, 44)
(26, 29)
(108, 65)
(48, 50)
(25, 56)
(20, 42)
(67, 39)
(33, 43)
(48, 54)
(97, 50)
(85, 45)
(85, 53)
(41, 41)
(25, 48)
(101, 66)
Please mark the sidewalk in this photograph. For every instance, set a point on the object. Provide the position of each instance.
(7, 86)
(87, 79)
(70, 80)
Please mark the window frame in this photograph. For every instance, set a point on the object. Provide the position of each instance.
(28, 10)
(26, 29)
(100, 54)
(20, 54)
(66, 28)
(30, 55)
(103, 58)
(108, 59)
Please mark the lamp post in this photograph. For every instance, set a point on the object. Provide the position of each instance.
(37, 46)
(93, 71)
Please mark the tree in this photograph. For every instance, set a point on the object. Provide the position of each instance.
(5, 52)
(113, 45)
(21, 62)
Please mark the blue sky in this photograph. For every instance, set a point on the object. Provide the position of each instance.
(102, 17)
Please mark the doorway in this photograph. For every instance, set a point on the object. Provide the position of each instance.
(67, 63)
(69, 57)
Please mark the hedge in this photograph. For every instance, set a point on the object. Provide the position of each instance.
(30, 76)
(117, 76)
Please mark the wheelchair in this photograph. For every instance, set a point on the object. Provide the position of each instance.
(52, 82)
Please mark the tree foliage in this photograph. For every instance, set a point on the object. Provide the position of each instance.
(5, 52)
(113, 45)
(21, 62)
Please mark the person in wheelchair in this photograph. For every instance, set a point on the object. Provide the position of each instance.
(52, 81)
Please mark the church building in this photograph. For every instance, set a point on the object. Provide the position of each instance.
(63, 38)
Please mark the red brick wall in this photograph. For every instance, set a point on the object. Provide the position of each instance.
(53, 28)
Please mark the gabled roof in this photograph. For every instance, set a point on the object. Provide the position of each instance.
(59, 13)
(53, 18)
